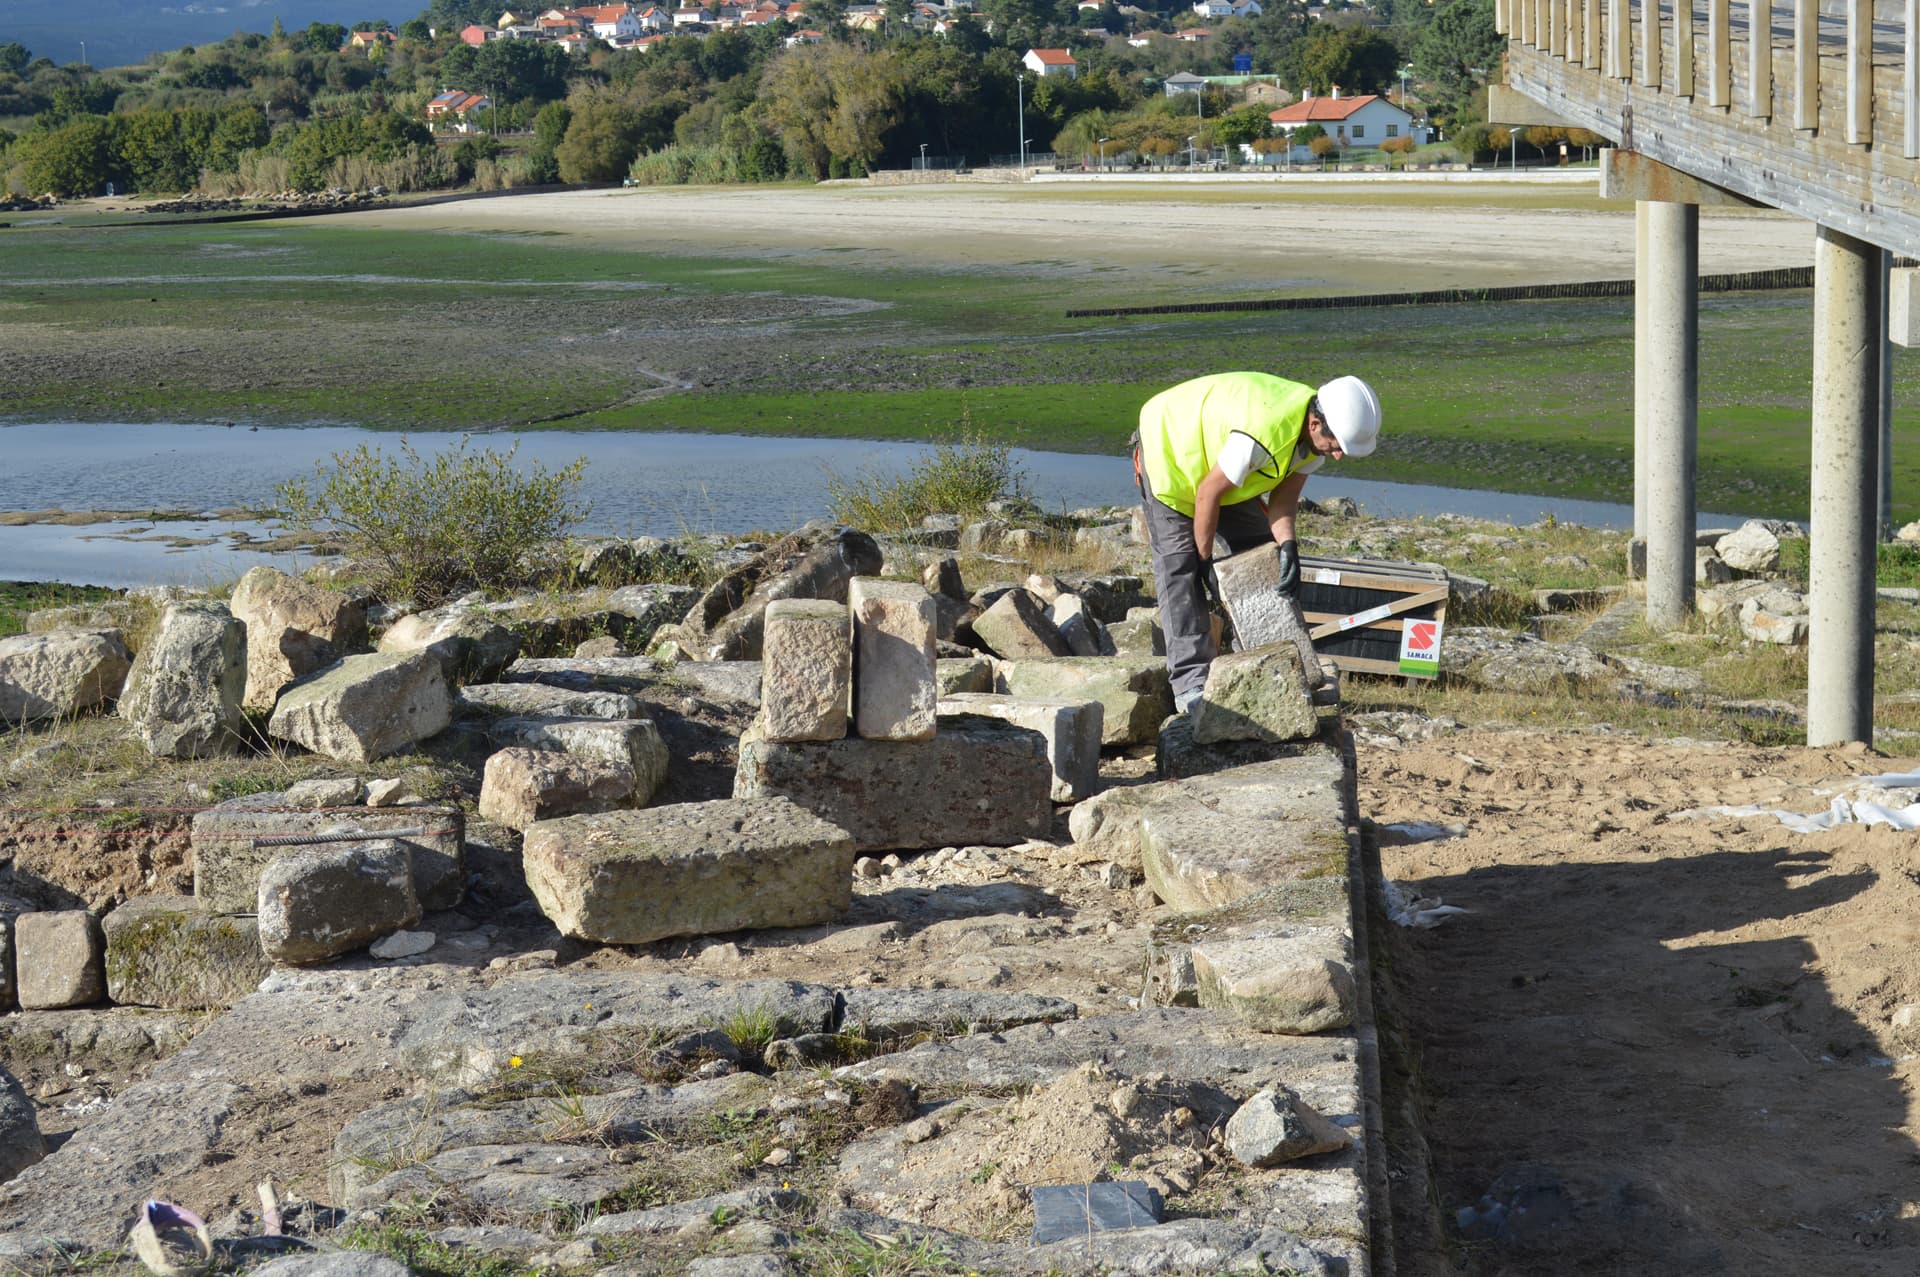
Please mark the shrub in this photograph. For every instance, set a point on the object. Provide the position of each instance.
(430, 529)
(957, 478)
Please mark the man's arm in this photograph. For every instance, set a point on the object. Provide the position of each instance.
(1282, 504)
(1206, 511)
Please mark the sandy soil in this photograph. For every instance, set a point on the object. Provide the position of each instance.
(1660, 1044)
(1345, 238)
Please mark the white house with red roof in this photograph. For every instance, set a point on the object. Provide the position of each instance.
(693, 15)
(457, 103)
(1046, 62)
(478, 35)
(808, 36)
(1365, 119)
(614, 21)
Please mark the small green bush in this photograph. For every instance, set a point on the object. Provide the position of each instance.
(958, 478)
(431, 529)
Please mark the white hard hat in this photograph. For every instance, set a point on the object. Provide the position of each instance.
(1352, 411)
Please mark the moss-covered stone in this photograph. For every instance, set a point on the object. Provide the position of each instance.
(172, 952)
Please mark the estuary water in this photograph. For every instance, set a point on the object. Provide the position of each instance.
(637, 483)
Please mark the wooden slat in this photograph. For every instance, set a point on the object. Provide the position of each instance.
(1557, 27)
(1760, 58)
(1500, 23)
(1719, 54)
(1683, 85)
(1619, 49)
(1649, 37)
(1395, 608)
(1590, 36)
(1910, 91)
(1365, 665)
(1806, 65)
(1542, 19)
(1860, 72)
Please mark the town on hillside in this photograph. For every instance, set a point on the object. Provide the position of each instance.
(470, 96)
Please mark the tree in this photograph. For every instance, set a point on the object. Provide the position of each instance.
(511, 69)
(601, 141)
(1358, 59)
(324, 37)
(14, 57)
(78, 158)
(1246, 125)
(1456, 54)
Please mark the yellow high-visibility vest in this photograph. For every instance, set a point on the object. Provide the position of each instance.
(1183, 429)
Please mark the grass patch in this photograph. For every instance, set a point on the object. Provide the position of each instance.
(426, 1257)
(18, 598)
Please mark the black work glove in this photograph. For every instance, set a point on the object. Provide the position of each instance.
(1211, 584)
(1289, 568)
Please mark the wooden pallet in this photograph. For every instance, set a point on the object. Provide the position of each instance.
(1375, 616)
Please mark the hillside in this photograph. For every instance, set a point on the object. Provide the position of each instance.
(121, 32)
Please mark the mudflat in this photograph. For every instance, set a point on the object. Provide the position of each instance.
(1366, 235)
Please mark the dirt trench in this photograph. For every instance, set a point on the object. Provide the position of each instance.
(1654, 1042)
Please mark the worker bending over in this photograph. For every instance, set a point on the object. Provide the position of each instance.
(1229, 454)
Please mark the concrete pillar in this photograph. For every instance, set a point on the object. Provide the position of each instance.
(1642, 287)
(1846, 402)
(1883, 280)
(1672, 405)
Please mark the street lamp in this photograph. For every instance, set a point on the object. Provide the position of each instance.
(1513, 139)
(1020, 96)
(1192, 154)
(923, 157)
(1103, 153)
(1403, 85)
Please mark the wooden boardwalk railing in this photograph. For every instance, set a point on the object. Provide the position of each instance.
(1806, 106)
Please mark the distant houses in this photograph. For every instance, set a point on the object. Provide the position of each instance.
(457, 105)
(1366, 119)
(1046, 62)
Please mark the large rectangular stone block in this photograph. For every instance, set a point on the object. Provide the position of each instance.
(979, 781)
(365, 707)
(633, 741)
(174, 952)
(687, 869)
(1250, 587)
(1261, 694)
(806, 669)
(1134, 694)
(227, 864)
(1071, 730)
(893, 659)
(59, 960)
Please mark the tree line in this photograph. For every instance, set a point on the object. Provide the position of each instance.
(292, 110)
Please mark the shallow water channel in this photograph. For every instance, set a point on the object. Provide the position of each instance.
(638, 484)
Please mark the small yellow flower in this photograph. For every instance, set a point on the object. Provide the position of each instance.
(513, 1061)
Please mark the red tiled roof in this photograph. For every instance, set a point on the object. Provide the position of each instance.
(1313, 110)
(1052, 57)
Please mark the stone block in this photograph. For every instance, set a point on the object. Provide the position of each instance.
(1071, 730)
(1015, 627)
(689, 869)
(1250, 588)
(1763, 626)
(20, 1142)
(1134, 694)
(365, 707)
(1138, 636)
(1271, 821)
(227, 864)
(293, 629)
(521, 700)
(60, 673)
(184, 692)
(521, 786)
(1177, 756)
(1752, 547)
(942, 577)
(1280, 984)
(978, 781)
(58, 960)
(9, 986)
(1261, 694)
(317, 903)
(893, 658)
(472, 645)
(806, 678)
(633, 741)
(1709, 568)
(1084, 634)
(175, 953)
(963, 674)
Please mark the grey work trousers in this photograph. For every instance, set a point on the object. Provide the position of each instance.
(1177, 578)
